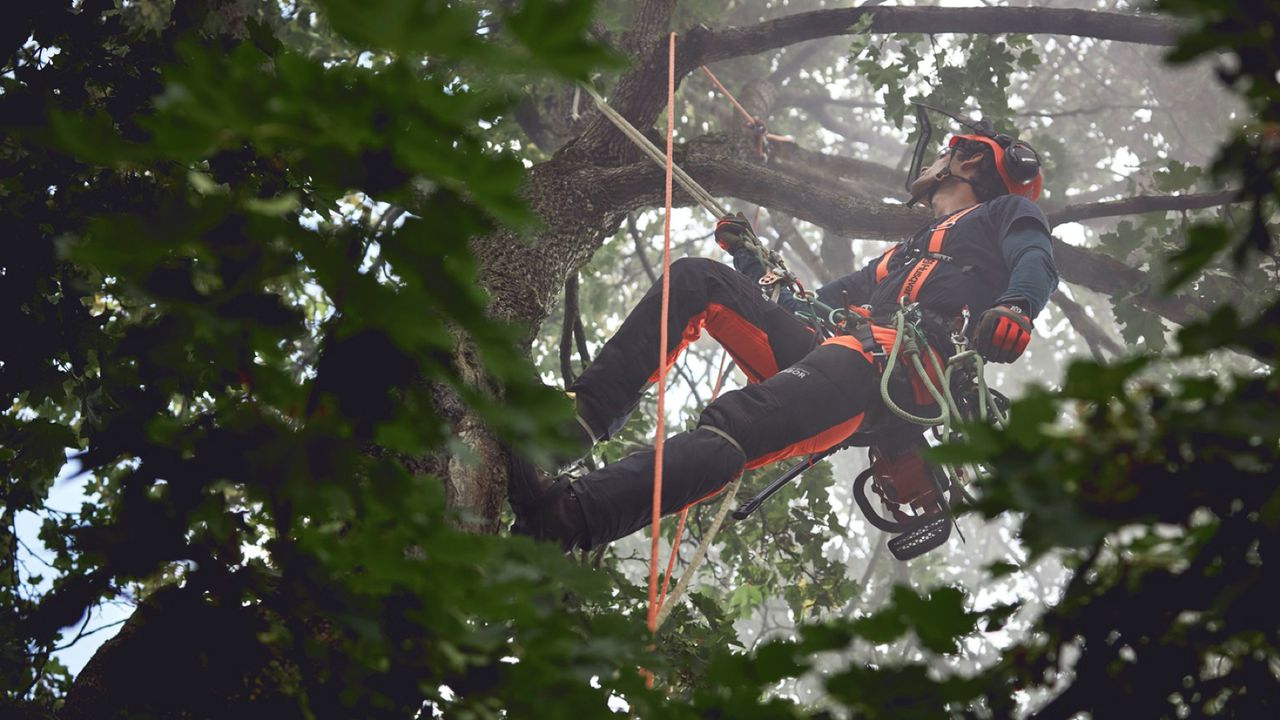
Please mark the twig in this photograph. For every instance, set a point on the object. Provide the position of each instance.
(83, 634)
(634, 231)
(1089, 329)
(566, 331)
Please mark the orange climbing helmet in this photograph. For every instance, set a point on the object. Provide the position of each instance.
(1017, 162)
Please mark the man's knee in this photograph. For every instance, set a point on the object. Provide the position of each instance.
(716, 436)
(696, 271)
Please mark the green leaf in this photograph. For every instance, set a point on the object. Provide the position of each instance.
(1204, 242)
(1139, 325)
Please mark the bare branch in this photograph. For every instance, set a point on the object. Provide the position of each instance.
(1142, 204)
(772, 34)
(790, 235)
(1089, 329)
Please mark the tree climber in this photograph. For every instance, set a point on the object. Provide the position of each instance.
(988, 248)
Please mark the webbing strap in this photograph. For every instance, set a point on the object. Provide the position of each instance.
(939, 232)
(882, 269)
(915, 279)
(726, 436)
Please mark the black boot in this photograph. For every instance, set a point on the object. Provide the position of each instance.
(546, 508)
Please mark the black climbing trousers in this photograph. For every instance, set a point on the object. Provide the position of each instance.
(804, 397)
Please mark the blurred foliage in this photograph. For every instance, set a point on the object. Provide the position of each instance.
(217, 326)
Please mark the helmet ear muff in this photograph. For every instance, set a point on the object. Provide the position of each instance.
(1021, 162)
(1017, 163)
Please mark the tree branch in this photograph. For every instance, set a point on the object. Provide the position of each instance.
(790, 236)
(1089, 329)
(772, 34)
(873, 179)
(1141, 204)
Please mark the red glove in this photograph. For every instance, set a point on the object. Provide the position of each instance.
(1003, 333)
(730, 230)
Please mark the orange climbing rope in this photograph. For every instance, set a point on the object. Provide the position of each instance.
(684, 512)
(662, 344)
(657, 599)
(754, 123)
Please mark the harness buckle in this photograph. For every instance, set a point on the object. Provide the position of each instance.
(861, 332)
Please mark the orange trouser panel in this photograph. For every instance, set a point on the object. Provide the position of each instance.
(826, 438)
(747, 344)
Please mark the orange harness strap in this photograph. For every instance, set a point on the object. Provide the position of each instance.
(915, 279)
(882, 269)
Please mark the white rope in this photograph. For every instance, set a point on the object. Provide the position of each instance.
(698, 192)
(699, 554)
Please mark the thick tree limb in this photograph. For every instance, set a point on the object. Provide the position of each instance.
(772, 34)
(649, 20)
(873, 179)
(1141, 204)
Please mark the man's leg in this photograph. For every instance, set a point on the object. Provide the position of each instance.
(761, 337)
(812, 405)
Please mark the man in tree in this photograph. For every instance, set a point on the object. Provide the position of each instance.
(987, 250)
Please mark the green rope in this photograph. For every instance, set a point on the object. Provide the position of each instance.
(908, 343)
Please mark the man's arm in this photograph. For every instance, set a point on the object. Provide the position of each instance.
(1029, 256)
(1005, 329)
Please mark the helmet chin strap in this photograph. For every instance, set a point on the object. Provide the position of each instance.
(941, 177)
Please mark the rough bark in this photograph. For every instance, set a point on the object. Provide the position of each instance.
(219, 669)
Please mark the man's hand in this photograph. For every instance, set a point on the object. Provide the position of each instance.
(1003, 333)
(730, 231)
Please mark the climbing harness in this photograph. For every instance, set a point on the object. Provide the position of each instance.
(919, 495)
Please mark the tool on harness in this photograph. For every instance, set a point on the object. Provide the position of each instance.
(918, 495)
(754, 502)
(1017, 163)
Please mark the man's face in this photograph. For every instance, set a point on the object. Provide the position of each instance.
(927, 178)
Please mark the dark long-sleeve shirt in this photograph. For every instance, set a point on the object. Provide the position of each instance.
(999, 253)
